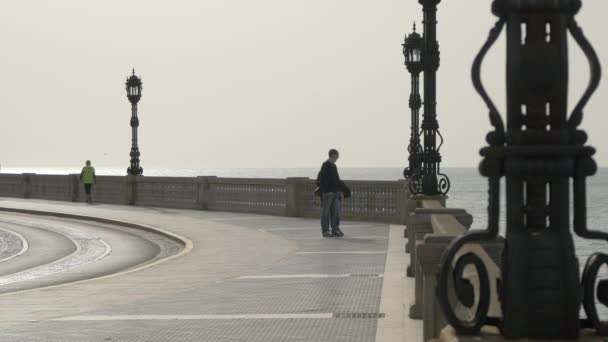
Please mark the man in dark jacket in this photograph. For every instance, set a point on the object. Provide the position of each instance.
(330, 191)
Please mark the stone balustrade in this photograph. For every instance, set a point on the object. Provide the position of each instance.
(430, 228)
(374, 201)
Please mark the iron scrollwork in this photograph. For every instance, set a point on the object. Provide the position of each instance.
(491, 167)
(591, 286)
(415, 183)
(443, 183)
(585, 166)
(463, 289)
(415, 151)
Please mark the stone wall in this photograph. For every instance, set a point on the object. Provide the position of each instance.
(431, 228)
(375, 201)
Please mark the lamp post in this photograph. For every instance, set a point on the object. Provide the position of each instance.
(539, 153)
(133, 86)
(412, 51)
(430, 181)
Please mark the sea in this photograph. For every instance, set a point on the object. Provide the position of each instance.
(469, 190)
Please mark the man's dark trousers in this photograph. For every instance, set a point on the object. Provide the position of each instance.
(330, 213)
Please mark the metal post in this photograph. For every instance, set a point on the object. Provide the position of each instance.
(134, 87)
(431, 180)
(540, 274)
(412, 50)
(538, 153)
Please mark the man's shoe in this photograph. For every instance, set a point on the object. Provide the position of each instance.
(337, 233)
(326, 234)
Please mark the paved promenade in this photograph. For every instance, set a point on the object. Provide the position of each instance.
(241, 277)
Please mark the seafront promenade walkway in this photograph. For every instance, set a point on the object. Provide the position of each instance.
(237, 277)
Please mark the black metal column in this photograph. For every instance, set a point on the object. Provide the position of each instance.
(414, 148)
(412, 50)
(134, 169)
(541, 273)
(539, 153)
(432, 181)
(134, 87)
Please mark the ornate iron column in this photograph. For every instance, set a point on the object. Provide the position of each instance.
(538, 153)
(134, 94)
(430, 181)
(412, 51)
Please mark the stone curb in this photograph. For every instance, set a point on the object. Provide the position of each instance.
(186, 243)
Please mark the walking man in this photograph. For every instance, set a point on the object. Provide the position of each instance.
(88, 178)
(330, 191)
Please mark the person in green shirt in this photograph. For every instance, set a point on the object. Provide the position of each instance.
(87, 176)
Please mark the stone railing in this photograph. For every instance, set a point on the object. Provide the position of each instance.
(430, 228)
(262, 196)
(375, 201)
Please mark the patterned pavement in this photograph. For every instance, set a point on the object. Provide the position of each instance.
(316, 289)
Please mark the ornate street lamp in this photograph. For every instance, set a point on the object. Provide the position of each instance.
(412, 51)
(540, 153)
(430, 181)
(134, 94)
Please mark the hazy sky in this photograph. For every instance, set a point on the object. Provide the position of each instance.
(242, 83)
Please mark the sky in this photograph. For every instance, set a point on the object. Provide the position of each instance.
(241, 83)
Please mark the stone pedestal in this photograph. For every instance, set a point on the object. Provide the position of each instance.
(26, 183)
(131, 189)
(429, 252)
(295, 187)
(404, 210)
(415, 201)
(74, 186)
(420, 225)
(491, 334)
(203, 188)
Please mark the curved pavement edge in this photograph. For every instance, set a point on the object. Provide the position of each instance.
(185, 242)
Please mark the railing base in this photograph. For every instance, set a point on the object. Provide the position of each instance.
(491, 334)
